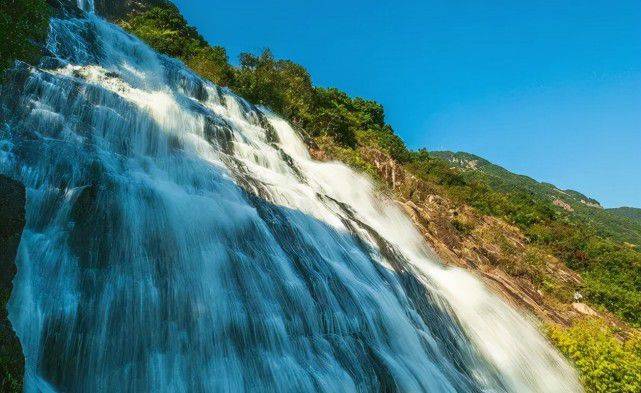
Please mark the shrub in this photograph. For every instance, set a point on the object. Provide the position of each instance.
(211, 63)
(23, 27)
(462, 227)
(604, 362)
(166, 30)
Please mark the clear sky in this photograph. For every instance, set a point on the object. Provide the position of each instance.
(551, 89)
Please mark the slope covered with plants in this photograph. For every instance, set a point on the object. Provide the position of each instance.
(629, 212)
(23, 28)
(618, 224)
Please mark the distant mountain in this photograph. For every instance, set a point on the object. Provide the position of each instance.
(629, 212)
(501, 178)
(622, 224)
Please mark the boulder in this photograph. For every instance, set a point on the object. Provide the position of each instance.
(584, 309)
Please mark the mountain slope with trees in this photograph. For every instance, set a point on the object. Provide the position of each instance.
(629, 212)
(23, 28)
(619, 224)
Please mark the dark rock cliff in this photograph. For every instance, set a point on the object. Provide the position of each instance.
(12, 220)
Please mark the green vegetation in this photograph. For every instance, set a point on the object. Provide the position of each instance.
(629, 212)
(165, 29)
(11, 362)
(618, 224)
(12, 203)
(605, 362)
(598, 244)
(282, 85)
(588, 239)
(463, 227)
(23, 26)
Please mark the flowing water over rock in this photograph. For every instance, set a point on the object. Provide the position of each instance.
(180, 239)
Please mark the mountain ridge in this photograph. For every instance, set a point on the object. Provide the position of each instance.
(576, 205)
(463, 159)
(627, 211)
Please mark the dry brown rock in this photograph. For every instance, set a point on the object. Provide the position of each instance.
(584, 309)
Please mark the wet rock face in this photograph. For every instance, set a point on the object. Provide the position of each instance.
(12, 215)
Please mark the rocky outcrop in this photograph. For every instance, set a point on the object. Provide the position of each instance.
(12, 220)
(584, 309)
(563, 205)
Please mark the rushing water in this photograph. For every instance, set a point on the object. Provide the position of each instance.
(86, 5)
(180, 239)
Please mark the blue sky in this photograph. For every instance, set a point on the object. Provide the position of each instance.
(551, 89)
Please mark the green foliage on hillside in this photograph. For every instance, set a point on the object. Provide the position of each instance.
(586, 211)
(588, 239)
(166, 30)
(23, 27)
(211, 62)
(605, 363)
(591, 241)
(629, 212)
(287, 88)
(11, 368)
(282, 85)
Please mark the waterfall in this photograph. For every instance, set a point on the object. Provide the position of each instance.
(87, 6)
(181, 239)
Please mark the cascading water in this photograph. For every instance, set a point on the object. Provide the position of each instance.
(180, 239)
(86, 5)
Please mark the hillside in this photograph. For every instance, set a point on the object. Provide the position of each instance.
(502, 178)
(628, 212)
(622, 224)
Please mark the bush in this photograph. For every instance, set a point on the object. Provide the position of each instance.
(166, 30)
(462, 227)
(281, 85)
(211, 63)
(604, 362)
(23, 27)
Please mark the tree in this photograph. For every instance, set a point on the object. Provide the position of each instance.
(211, 63)
(166, 30)
(23, 28)
(282, 85)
